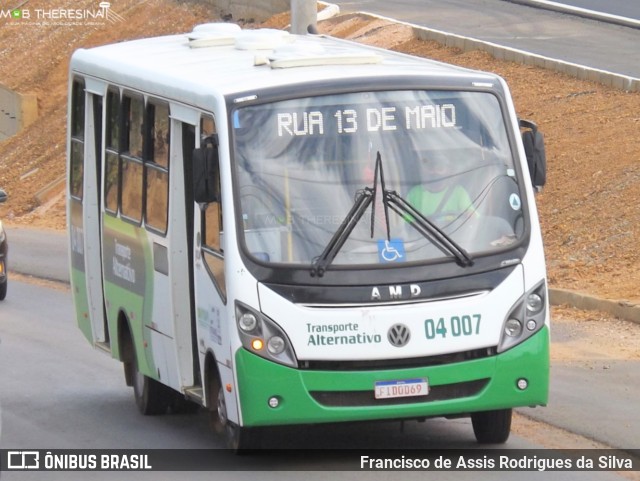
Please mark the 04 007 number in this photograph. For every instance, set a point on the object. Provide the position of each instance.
(456, 326)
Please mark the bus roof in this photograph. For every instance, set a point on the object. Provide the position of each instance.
(222, 59)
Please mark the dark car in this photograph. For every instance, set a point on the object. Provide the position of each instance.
(4, 249)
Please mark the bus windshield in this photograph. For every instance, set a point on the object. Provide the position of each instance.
(302, 164)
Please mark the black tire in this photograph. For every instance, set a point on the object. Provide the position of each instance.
(243, 440)
(3, 287)
(152, 397)
(492, 427)
(238, 439)
(181, 405)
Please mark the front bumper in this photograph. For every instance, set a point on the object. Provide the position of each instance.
(335, 396)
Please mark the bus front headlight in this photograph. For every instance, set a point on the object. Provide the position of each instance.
(257, 331)
(276, 345)
(534, 303)
(247, 322)
(513, 327)
(530, 312)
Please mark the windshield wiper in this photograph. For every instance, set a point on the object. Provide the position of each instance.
(390, 199)
(427, 228)
(363, 200)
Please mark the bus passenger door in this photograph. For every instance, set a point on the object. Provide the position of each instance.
(92, 221)
(84, 208)
(209, 272)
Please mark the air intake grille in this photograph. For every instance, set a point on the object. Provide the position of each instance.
(383, 364)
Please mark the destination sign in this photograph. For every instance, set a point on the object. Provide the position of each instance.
(347, 121)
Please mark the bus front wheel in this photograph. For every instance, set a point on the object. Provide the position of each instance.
(237, 438)
(492, 427)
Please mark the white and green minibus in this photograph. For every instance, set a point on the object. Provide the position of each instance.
(294, 229)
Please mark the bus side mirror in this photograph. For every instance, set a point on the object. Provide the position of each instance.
(206, 173)
(3, 196)
(533, 141)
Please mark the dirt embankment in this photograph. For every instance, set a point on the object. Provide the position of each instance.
(589, 210)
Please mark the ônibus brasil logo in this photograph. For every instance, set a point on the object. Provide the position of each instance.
(103, 12)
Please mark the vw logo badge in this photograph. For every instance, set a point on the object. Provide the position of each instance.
(399, 335)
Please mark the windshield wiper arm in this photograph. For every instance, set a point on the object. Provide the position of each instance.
(378, 176)
(427, 228)
(361, 204)
(390, 199)
(364, 199)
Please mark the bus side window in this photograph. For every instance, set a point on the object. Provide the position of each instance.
(76, 172)
(134, 118)
(212, 226)
(207, 127)
(156, 166)
(132, 167)
(112, 148)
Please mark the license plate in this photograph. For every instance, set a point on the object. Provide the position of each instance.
(404, 388)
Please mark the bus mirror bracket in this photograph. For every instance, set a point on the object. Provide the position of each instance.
(206, 173)
(533, 141)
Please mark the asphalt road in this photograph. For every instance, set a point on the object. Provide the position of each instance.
(596, 399)
(57, 392)
(569, 38)
(605, 393)
(38, 252)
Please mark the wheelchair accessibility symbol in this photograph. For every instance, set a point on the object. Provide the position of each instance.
(391, 250)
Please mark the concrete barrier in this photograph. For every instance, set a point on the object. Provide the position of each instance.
(620, 309)
(16, 111)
